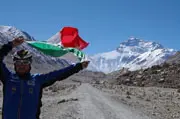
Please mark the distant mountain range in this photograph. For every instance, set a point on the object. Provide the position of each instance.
(133, 53)
(41, 63)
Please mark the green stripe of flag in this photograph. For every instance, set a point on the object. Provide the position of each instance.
(55, 50)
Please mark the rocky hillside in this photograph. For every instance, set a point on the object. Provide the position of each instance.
(175, 59)
(165, 75)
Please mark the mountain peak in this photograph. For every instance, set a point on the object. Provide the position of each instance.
(137, 43)
(6, 28)
(12, 31)
(133, 39)
(133, 53)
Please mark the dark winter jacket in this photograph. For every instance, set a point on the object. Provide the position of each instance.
(22, 98)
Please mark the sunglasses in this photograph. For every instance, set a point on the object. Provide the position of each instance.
(22, 62)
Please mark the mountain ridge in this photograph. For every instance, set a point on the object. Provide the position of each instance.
(41, 63)
(133, 53)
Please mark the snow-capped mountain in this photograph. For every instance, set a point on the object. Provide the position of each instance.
(55, 39)
(12, 32)
(41, 63)
(133, 54)
(175, 59)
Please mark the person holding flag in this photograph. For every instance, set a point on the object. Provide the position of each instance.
(22, 91)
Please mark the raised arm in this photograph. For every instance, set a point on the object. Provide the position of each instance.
(3, 52)
(59, 75)
(5, 49)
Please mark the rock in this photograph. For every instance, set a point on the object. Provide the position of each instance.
(62, 101)
(127, 81)
(73, 99)
(128, 97)
(139, 76)
(162, 73)
(154, 72)
(178, 90)
(147, 99)
(124, 72)
(135, 83)
(166, 65)
(161, 80)
(128, 93)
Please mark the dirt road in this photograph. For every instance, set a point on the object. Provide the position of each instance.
(91, 104)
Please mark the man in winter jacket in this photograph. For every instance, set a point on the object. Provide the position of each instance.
(22, 91)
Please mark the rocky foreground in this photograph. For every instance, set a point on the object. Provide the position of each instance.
(156, 103)
(152, 93)
(165, 75)
(109, 101)
(75, 100)
(87, 102)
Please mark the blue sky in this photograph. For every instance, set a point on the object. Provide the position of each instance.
(103, 23)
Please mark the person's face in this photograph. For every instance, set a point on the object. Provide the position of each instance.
(22, 66)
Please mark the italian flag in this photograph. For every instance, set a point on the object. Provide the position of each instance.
(55, 50)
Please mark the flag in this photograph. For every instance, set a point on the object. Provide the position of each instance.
(70, 38)
(55, 50)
